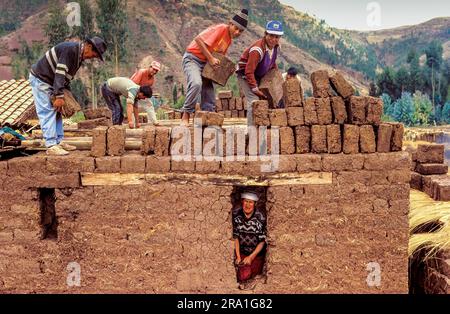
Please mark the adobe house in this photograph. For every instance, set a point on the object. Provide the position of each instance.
(332, 178)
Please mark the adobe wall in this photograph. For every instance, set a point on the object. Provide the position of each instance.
(173, 236)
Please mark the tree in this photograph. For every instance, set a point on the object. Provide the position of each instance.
(434, 60)
(386, 82)
(404, 109)
(25, 57)
(373, 91)
(423, 108)
(112, 22)
(175, 93)
(415, 80)
(79, 91)
(445, 115)
(56, 29)
(388, 108)
(401, 80)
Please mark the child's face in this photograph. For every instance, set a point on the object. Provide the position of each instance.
(235, 31)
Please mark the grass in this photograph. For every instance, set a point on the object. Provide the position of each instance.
(424, 210)
(79, 116)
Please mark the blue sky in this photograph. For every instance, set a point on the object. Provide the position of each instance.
(355, 14)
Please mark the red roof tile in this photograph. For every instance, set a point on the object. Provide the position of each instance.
(16, 101)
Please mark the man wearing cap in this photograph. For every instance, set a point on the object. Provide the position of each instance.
(115, 87)
(49, 77)
(249, 232)
(256, 61)
(147, 77)
(216, 38)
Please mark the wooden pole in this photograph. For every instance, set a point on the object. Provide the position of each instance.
(82, 143)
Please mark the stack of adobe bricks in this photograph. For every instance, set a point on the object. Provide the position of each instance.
(429, 172)
(229, 106)
(327, 123)
(96, 117)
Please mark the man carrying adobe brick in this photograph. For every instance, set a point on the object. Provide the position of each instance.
(256, 61)
(249, 232)
(123, 86)
(218, 39)
(147, 77)
(49, 77)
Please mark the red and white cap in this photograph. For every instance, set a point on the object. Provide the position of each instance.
(156, 65)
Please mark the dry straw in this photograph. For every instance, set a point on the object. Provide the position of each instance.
(425, 211)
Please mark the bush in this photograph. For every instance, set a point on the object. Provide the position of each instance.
(161, 114)
(445, 115)
(179, 103)
(388, 108)
(404, 109)
(423, 108)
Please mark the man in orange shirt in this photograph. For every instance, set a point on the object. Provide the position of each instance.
(147, 77)
(216, 38)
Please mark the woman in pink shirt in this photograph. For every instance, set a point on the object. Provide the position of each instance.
(147, 77)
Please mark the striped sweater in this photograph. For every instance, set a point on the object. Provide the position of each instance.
(58, 66)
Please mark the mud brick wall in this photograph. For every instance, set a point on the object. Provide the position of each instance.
(231, 106)
(173, 237)
(429, 171)
(437, 274)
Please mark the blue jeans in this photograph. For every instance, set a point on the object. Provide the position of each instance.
(113, 103)
(50, 120)
(199, 89)
(249, 96)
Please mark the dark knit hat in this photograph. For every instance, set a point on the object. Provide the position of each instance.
(241, 19)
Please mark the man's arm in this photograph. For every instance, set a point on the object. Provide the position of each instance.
(249, 259)
(136, 116)
(130, 114)
(238, 250)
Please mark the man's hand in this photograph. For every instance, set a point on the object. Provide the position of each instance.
(238, 260)
(248, 260)
(58, 104)
(214, 62)
(260, 94)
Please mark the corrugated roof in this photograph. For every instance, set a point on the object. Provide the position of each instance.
(16, 102)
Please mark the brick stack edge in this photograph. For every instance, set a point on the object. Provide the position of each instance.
(336, 120)
(429, 171)
(231, 106)
(96, 117)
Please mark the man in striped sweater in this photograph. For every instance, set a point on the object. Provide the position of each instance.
(256, 61)
(49, 77)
